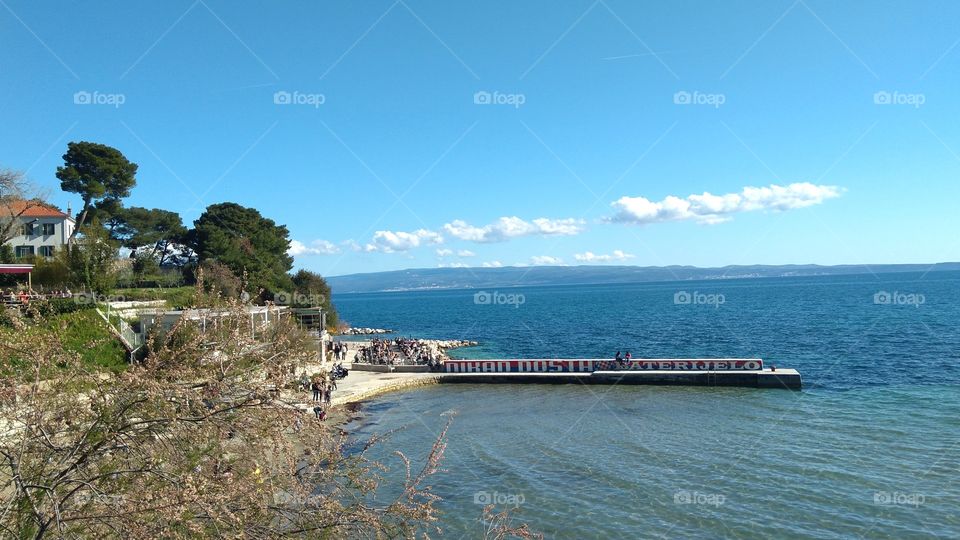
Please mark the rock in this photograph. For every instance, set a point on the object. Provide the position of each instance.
(365, 331)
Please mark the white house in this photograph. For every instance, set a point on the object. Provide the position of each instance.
(39, 229)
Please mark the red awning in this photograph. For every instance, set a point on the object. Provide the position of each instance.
(16, 268)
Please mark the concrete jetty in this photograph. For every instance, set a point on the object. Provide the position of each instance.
(748, 372)
(369, 380)
(781, 378)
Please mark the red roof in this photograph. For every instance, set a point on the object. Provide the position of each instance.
(35, 210)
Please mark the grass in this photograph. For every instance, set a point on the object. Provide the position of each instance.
(84, 332)
(81, 332)
(175, 296)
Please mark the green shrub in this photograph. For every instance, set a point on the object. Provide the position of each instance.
(7, 316)
(175, 297)
(84, 332)
(81, 332)
(60, 306)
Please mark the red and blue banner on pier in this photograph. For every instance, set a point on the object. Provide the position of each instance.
(590, 365)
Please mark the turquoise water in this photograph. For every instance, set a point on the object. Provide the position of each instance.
(870, 448)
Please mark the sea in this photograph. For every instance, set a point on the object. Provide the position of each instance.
(870, 448)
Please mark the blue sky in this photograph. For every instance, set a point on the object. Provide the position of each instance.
(429, 133)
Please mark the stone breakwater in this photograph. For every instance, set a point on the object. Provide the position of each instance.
(364, 331)
(444, 345)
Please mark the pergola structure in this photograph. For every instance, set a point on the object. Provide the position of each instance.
(19, 269)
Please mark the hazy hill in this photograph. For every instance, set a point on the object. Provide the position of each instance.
(473, 278)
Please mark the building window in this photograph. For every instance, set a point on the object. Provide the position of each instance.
(48, 229)
(46, 251)
(24, 251)
(27, 229)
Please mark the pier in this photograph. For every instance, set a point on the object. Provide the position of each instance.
(749, 372)
(781, 378)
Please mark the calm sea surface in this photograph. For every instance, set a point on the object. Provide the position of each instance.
(870, 448)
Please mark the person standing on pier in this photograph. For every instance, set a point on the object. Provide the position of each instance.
(619, 359)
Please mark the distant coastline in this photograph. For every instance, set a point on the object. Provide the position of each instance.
(427, 279)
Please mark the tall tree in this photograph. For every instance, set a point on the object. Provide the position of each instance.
(154, 229)
(246, 242)
(95, 172)
(311, 291)
(91, 260)
(108, 211)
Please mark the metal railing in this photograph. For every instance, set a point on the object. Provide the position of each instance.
(127, 335)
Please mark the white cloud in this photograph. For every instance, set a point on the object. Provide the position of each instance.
(466, 253)
(506, 228)
(492, 264)
(393, 241)
(711, 209)
(317, 247)
(545, 260)
(589, 257)
(444, 252)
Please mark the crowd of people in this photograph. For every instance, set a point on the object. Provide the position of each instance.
(398, 351)
(322, 386)
(339, 350)
(25, 296)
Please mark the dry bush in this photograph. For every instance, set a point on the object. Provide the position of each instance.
(194, 441)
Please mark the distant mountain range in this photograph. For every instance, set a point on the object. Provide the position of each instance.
(477, 278)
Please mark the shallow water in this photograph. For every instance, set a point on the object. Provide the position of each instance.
(667, 462)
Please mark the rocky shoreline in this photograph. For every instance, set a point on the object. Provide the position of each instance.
(443, 345)
(364, 331)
